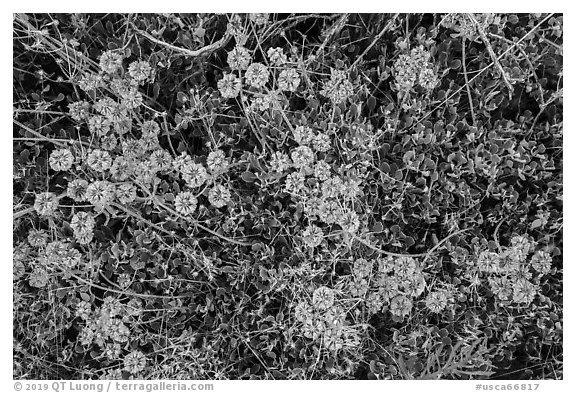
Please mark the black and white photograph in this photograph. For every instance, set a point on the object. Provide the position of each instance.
(287, 196)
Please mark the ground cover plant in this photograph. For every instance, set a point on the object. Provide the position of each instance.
(287, 196)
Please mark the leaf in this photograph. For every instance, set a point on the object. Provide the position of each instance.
(248, 177)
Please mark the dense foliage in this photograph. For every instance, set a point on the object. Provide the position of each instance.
(231, 196)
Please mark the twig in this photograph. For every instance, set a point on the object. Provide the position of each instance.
(468, 83)
(334, 29)
(193, 53)
(384, 30)
(426, 255)
(495, 59)
(480, 72)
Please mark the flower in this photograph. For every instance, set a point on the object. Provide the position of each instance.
(37, 238)
(82, 222)
(303, 312)
(99, 160)
(90, 82)
(132, 98)
(303, 135)
(541, 262)
(134, 362)
(38, 278)
(302, 157)
(386, 264)
(524, 291)
(46, 204)
(99, 125)
(194, 174)
(414, 285)
(349, 221)
(108, 142)
(522, 244)
(362, 268)
(295, 183)
(122, 168)
(140, 71)
(332, 187)
(110, 62)
(229, 86)
(105, 106)
(358, 287)
(501, 287)
(150, 128)
(322, 170)
(131, 148)
(217, 162)
(100, 193)
(149, 142)
(219, 196)
(329, 211)
(312, 236)
(437, 301)
(400, 306)
(18, 269)
(338, 88)
(321, 142)
(405, 266)
(185, 203)
(259, 18)
(323, 298)
(79, 110)
(83, 310)
(239, 58)
(488, 262)
(277, 56)
(77, 190)
(280, 162)
(161, 160)
(428, 79)
(61, 160)
(257, 75)
(288, 80)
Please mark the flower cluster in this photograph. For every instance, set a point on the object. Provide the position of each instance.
(324, 322)
(415, 68)
(513, 277)
(338, 89)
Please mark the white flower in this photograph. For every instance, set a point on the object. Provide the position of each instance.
(229, 86)
(126, 193)
(219, 196)
(134, 362)
(312, 236)
(61, 160)
(338, 88)
(185, 203)
(277, 56)
(140, 70)
(77, 190)
(217, 162)
(46, 204)
(239, 58)
(400, 306)
(323, 298)
(100, 193)
(99, 160)
(302, 157)
(257, 75)
(82, 222)
(288, 80)
(110, 62)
